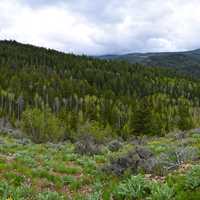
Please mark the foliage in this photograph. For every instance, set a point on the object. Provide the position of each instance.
(41, 126)
(193, 178)
(184, 62)
(160, 192)
(185, 119)
(143, 121)
(95, 131)
(113, 97)
(16, 193)
(50, 196)
(134, 187)
(55, 171)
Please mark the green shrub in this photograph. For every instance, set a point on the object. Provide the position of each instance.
(14, 179)
(26, 160)
(68, 179)
(4, 190)
(160, 192)
(22, 193)
(177, 156)
(72, 182)
(16, 193)
(41, 126)
(135, 187)
(193, 178)
(73, 170)
(97, 192)
(61, 168)
(70, 157)
(3, 166)
(95, 130)
(50, 196)
(188, 195)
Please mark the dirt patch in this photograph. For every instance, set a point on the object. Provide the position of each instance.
(43, 185)
(184, 167)
(85, 190)
(7, 158)
(151, 177)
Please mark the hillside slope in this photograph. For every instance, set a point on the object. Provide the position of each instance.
(169, 165)
(188, 61)
(82, 94)
(75, 127)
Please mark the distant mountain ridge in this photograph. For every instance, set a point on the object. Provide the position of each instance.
(187, 61)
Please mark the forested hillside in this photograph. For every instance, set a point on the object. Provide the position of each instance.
(107, 98)
(185, 62)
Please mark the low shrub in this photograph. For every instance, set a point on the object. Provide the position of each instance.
(135, 187)
(161, 192)
(115, 145)
(95, 130)
(67, 180)
(177, 156)
(48, 195)
(16, 193)
(64, 169)
(139, 159)
(193, 178)
(14, 179)
(97, 192)
(87, 145)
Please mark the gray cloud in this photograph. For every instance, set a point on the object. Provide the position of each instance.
(39, 3)
(103, 26)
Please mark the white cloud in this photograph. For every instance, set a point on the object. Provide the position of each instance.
(103, 26)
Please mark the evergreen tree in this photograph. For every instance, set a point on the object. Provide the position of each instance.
(185, 120)
(143, 121)
(104, 92)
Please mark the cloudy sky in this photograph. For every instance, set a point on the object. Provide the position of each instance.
(103, 26)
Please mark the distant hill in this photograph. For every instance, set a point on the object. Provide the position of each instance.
(188, 61)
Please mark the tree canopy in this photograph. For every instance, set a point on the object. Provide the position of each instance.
(129, 98)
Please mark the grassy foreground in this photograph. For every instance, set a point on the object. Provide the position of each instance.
(54, 172)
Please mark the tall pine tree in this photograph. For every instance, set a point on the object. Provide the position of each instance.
(143, 121)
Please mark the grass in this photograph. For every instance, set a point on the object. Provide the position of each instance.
(48, 171)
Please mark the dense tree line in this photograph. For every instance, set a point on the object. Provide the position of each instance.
(77, 90)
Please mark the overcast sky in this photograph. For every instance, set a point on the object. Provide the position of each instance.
(103, 26)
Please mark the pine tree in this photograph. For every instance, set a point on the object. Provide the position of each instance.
(185, 120)
(142, 120)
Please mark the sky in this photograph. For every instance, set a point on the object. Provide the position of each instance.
(98, 27)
